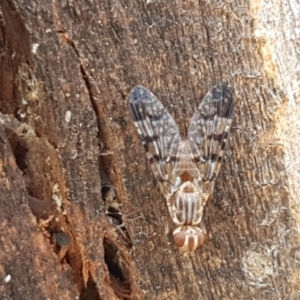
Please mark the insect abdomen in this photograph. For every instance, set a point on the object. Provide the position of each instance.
(188, 208)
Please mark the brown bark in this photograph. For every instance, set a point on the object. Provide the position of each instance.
(69, 152)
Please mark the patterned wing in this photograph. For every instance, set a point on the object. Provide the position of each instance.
(157, 130)
(208, 132)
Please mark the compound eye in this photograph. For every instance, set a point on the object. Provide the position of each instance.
(179, 238)
(201, 238)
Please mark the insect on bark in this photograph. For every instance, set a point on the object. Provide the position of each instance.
(186, 169)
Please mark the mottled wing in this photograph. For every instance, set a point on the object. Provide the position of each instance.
(208, 132)
(157, 130)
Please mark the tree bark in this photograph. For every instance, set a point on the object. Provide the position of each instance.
(71, 161)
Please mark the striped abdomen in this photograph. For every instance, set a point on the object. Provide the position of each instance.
(186, 207)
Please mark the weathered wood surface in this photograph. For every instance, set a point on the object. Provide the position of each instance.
(66, 72)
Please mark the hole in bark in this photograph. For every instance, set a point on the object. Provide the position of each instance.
(90, 292)
(118, 271)
(111, 257)
(105, 190)
(20, 155)
(18, 149)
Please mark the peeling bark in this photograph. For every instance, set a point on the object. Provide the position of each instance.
(71, 161)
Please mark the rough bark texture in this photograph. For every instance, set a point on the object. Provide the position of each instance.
(69, 152)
